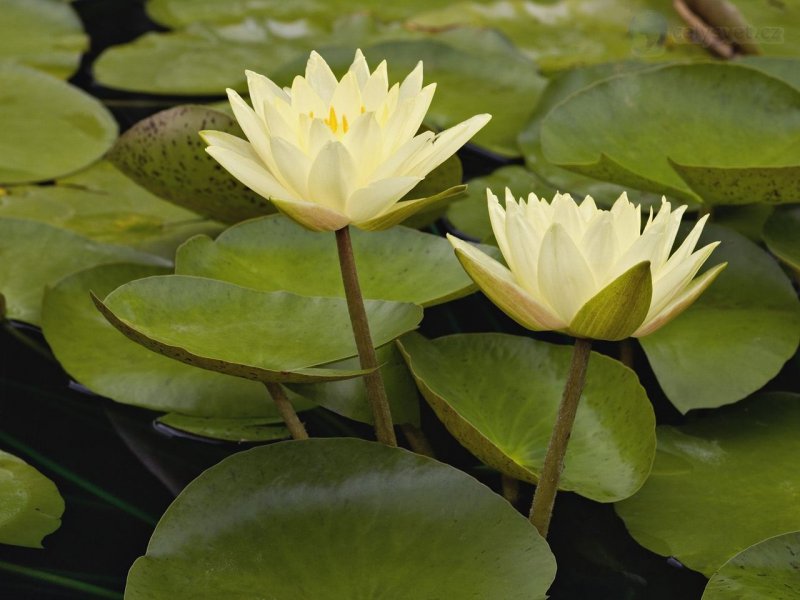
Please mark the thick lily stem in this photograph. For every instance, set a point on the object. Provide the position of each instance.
(286, 411)
(376, 392)
(545, 496)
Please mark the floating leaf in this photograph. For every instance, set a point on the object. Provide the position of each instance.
(30, 505)
(165, 155)
(765, 571)
(254, 429)
(34, 255)
(378, 522)
(498, 395)
(736, 337)
(786, 69)
(49, 128)
(720, 483)
(782, 235)
(265, 336)
(774, 26)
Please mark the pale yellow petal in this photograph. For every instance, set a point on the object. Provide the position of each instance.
(311, 216)
(331, 176)
(369, 202)
(320, 77)
(375, 88)
(400, 161)
(262, 90)
(293, 166)
(448, 142)
(249, 171)
(360, 68)
(412, 84)
(667, 287)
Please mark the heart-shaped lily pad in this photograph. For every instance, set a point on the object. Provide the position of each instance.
(165, 155)
(782, 235)
(42, 34)
(109, 364)
(397, 264)
(375, 522)
(765, 571)
(720, 483)
(731, 140)
(34, 255)
(253, 429)
(30, 505)
(738, 334)
(264, 336)
(498, 395)
(38, 112)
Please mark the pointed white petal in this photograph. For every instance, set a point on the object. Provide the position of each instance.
(292, 165)
(262, 90)
(599, 245)
(251, 125)
(331, 176)
(250, 172)
(412, 84)
(448, 142)
(346, 100)
(524, 243)
(374, 90)
(497, 217)
(320, 77)
(670, 285)
(369, 202)
(305, 99)
(399, 162)
(359, 68)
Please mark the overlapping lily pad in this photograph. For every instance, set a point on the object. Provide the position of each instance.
(765, 571)
(375, 522)
(253, 429)
(398, 264)
(643, 130)
(264, 336)
(498, 395)
(721, 483)
(49, 128)
(736, 337)
(787, 69)
(782, 235)
(42, 34)
(30, 505)
(34, 255)
(774, 26)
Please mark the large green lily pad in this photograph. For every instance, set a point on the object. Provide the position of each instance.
(736, 337)
(30, 505)
(264, 336)
(106, 362)
(253, 429)
(42, 34)
(397, 264)
(103, 204)
(643, 130)
(498, 395)
(371, 521)
(782, 235)
(787, 69)
(50, 128)
(165, 155)
(775, 26)
(720, 483)
(34, 255)
(769, 570)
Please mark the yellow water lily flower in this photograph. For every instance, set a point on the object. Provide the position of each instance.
(592, 273)
(330, 153)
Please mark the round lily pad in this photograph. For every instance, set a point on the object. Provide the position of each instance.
(735, 337)
(30, 505)
(769, 570)
(397, 264)
(34, 255)
(42, 34)
(782, 236)
(106, 362)
(720, 483)
(369, 520)
(264, 336)
(642, 129)
(253, 429)
(498, 395)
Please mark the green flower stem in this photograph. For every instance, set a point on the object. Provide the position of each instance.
(376, 391)
(545, 496)
(286, 411)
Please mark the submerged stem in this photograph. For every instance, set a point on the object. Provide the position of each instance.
(545, 496)
(286, 411)
(376, 392)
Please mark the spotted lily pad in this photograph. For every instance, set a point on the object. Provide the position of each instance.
(165, 155)
(703, 502)
(253, 429)
(39, 111)
(782, 235)
(264, 336)
(769, 570)
(498, 395)
(376, 520)
(30, 505)
(736, 337)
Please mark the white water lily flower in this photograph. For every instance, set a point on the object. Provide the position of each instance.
(331, 152)
(589, 272)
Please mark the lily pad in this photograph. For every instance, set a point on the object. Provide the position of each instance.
(42, 34)
(735, 337)
(398, 264)
(720, 483)
(254, 429)
(786, 69)
(643, 130)
(498, 395)
(106, 362)
(775, 26)
(378, 522)
(30, 505)
(765, 571)
(782, 235)
(34, 255)
(103, 204)
(165, 155)
(38, 112)
(264, 336)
